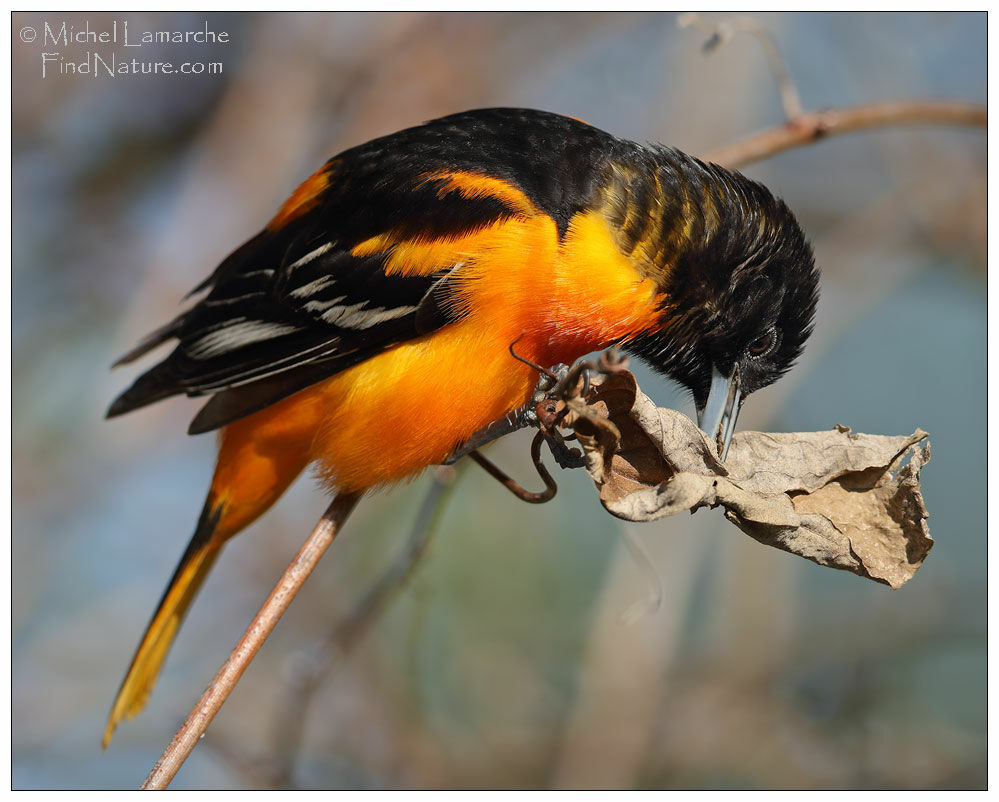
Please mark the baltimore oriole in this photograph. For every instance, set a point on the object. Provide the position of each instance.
(395, 279)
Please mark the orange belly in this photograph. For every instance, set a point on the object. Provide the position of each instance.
(412, 406)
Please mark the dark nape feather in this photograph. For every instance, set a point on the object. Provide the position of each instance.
(153, 385)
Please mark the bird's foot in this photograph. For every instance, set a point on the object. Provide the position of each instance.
(545, 411)
(523, 417)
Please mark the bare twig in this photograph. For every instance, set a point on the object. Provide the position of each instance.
(227, 677)
(722, 31)
(290, 723)
(805, 127)
(810, 127)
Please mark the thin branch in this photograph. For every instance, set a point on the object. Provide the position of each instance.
(722, 31)
(227, 677)
(805, 127)
(290, 724)
(810, 127)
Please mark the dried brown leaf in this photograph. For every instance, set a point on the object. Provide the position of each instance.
(837, 498)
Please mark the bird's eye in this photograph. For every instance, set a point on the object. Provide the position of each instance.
(763, 345)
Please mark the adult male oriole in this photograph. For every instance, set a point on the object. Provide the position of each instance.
(366, 330)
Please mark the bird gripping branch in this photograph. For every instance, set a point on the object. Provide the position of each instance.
(366, 329)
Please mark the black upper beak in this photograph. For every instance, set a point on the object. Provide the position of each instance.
(718, 415)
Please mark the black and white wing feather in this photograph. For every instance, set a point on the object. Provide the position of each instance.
(300, 301)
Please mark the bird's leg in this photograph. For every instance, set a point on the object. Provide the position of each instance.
(525, 495)
(521, 418)
(543, 411)
(539, 407)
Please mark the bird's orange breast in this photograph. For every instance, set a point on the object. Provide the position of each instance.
(411, 406)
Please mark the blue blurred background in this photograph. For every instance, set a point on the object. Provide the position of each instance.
(526, 652)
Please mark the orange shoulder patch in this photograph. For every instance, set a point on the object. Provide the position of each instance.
(421, 256)
(302, 199)
(479, 185)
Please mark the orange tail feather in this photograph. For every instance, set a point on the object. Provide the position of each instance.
(259, 457)
(187, 579)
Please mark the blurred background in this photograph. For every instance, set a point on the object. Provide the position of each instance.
(535, 647)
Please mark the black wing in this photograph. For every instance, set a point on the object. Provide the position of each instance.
(300, 302)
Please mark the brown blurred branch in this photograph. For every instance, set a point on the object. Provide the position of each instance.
(227, 677)
(810, 127)
(805, 127)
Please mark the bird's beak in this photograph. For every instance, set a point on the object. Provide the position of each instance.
(717, 417)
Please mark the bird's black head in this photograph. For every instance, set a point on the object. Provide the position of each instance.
(740, 285)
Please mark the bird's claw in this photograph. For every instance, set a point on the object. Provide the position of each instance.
(544, 411)
(567, 458)
(523, 417)
(557, 383)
